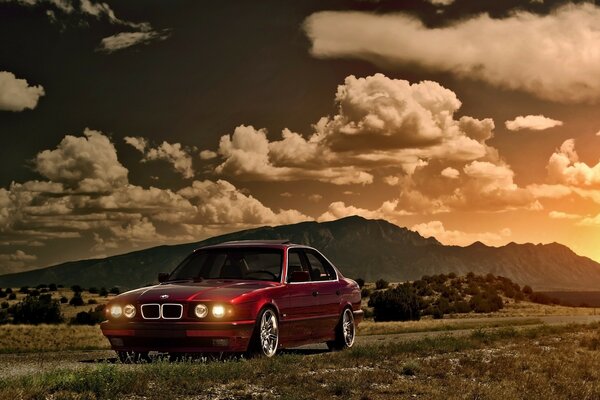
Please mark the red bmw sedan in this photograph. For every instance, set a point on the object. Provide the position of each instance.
(252, 297)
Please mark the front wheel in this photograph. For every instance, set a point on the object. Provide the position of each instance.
(265, 339)
(133, 357)
(344, 332)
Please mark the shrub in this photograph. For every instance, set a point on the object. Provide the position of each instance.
(527, 289)
(76, 288)
(41, 286)
(12, 296)
(452, 275)
(8, 290)
(462, 307)
(34, 292)
(92, 301)
(64, 300)
(360, 282)
(103, 292)
(365, 292)
(4, 305)
(381, 284)
(91, 317)
(436, 313)
(114, 290)
(52, 287)
(2, 294)
(76, 300)
(398, 304)
(93, 290)
(36, 310)
(24, 290)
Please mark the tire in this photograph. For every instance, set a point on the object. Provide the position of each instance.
(265, 339)
(133, 357)
(345, 332)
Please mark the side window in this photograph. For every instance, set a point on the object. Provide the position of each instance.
(320, 269)
(294, 263)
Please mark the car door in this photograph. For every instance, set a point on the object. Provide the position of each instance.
(301, 303)
(328, 292)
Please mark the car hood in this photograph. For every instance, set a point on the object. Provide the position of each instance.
(211, 290)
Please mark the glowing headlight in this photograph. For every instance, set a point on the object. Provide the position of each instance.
(129, 311)
(201, 311)
(218, 311)
(116, 311)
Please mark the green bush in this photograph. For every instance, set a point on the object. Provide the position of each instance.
(76, 300)
(381, 284)
(398, 304)
(91, 317)
(36, 310)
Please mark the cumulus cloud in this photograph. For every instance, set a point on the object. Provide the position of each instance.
(124, 40)
(16, 261)
(87, 194)
(532, 122)
(450, 173)
(459, 238)
(16, 94)
(564, 167)
(388, 211)
(87, 164)
(563, 215)
(174, 153)
(379, 123)
(506, 52)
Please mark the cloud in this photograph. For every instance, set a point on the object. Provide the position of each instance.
(16, 94)
(87, 195)
(450, 173)
(565, 168)
(441, 2)
(506, 52)
(124, 40)
(175, 154)
(563, 215)
(458, 238)
(86, 164)
(590, 221)
(16, 261)
(315, 198)
(379, 123)
(532, 122)
(208, 155)
(388, 211)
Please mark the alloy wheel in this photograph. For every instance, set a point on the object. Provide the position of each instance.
(269, 333)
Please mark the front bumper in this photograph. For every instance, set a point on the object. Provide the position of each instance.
(179, 337)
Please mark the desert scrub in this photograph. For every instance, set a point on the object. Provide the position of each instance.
(534, 362)
(30, 338)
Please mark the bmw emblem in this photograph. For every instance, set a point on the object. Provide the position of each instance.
(164, 296)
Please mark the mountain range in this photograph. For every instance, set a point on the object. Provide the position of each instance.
(369, 249)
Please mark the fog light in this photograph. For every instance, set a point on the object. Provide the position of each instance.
(129, 311)
(201, 311)
(116, 311)
(218, 311)
(220, 342)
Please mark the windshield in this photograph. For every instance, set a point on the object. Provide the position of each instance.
(231, 263)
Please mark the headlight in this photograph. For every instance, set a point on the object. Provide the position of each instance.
(116, 311)
(129, 311)
(201, 311)
(218, 311)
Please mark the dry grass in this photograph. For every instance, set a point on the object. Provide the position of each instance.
(29, 338)
(369, 327)
(541, 362)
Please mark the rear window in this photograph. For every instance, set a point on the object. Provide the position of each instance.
(232, 263)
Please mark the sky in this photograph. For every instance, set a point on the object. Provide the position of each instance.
(131, 124)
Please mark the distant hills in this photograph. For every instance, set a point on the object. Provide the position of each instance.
(370, 249)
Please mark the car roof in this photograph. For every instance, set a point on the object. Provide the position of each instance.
(277, 243)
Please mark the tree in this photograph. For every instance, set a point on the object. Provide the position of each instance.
(37, 310)
(361, 282)
(52, 287)
(114, 290)
(76, 300)
(93, 290)
(103, 292)
(527, 290)
(398, 304)
(76, 288)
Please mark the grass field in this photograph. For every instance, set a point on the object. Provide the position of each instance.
(540, 362)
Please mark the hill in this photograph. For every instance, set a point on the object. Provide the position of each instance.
(370, 249)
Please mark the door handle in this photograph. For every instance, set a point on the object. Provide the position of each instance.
(315, 293)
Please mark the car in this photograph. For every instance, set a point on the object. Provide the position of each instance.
(245, 297)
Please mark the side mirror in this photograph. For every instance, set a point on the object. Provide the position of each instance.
(163, 277)
(300, 276)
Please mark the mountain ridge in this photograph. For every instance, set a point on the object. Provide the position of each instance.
(370, 249)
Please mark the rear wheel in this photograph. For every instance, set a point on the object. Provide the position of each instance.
(133, 357)
(344, 332)
(265, 339)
